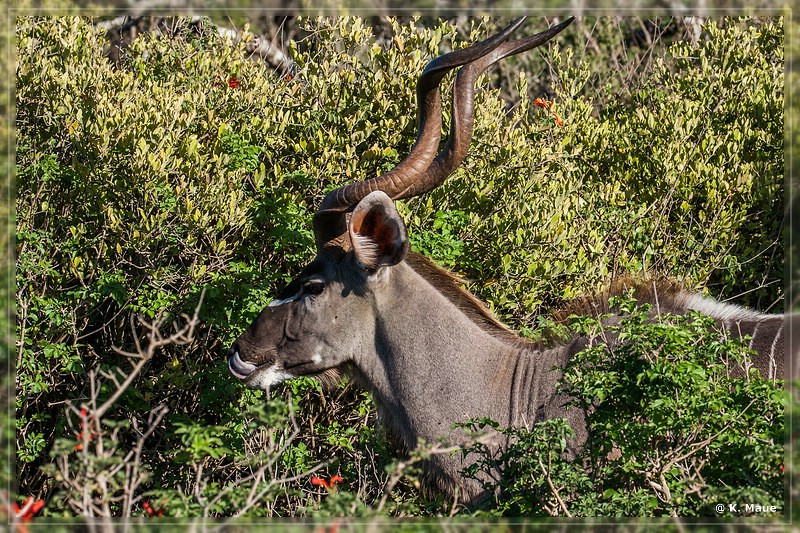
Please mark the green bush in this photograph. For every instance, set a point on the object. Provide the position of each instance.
(189, 172)
(672, 433)
(685, 178)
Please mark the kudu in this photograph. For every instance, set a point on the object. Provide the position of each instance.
(429, 352)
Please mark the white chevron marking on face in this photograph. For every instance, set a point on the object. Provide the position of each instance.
(276, 303)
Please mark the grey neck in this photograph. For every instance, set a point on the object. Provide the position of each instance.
(411, 370)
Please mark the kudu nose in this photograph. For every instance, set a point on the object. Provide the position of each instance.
(234, 349)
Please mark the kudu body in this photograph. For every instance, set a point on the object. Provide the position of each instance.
(429, 352)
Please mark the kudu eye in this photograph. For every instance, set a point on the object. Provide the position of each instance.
(313, 287)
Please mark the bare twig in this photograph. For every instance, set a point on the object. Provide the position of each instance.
(181, 337)
(98, 485)
(553, 489)
(134, 479)
(259, 475)
(420, 454)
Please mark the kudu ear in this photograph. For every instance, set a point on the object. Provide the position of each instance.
(377, 232)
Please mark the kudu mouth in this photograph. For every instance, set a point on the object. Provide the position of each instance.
(248, 372)
(240, 369)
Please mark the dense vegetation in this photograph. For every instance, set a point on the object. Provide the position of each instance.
(673, 433)
(184, 177)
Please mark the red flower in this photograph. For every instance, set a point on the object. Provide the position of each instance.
(151, 511)
(232, 82)
(28, 509)
(330, 485)
(92, 435)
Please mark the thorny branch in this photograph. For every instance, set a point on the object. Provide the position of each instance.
(90, 477)
(421, 454)
(258, 476)
(179, 338)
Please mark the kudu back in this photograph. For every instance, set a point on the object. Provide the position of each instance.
(429, 352)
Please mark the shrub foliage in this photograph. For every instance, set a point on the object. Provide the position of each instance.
(187, 173)
(673, 434)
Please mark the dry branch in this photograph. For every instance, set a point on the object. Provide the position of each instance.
(89, 478)
(259, 46)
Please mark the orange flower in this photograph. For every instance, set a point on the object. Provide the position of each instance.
(330, 485)
(549, 106)
(333, 528)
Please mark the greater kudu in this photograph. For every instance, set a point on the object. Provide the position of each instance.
(429, 352)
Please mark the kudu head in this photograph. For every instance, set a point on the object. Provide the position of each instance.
(326, 315)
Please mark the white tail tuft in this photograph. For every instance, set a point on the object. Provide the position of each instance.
(719, 310)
